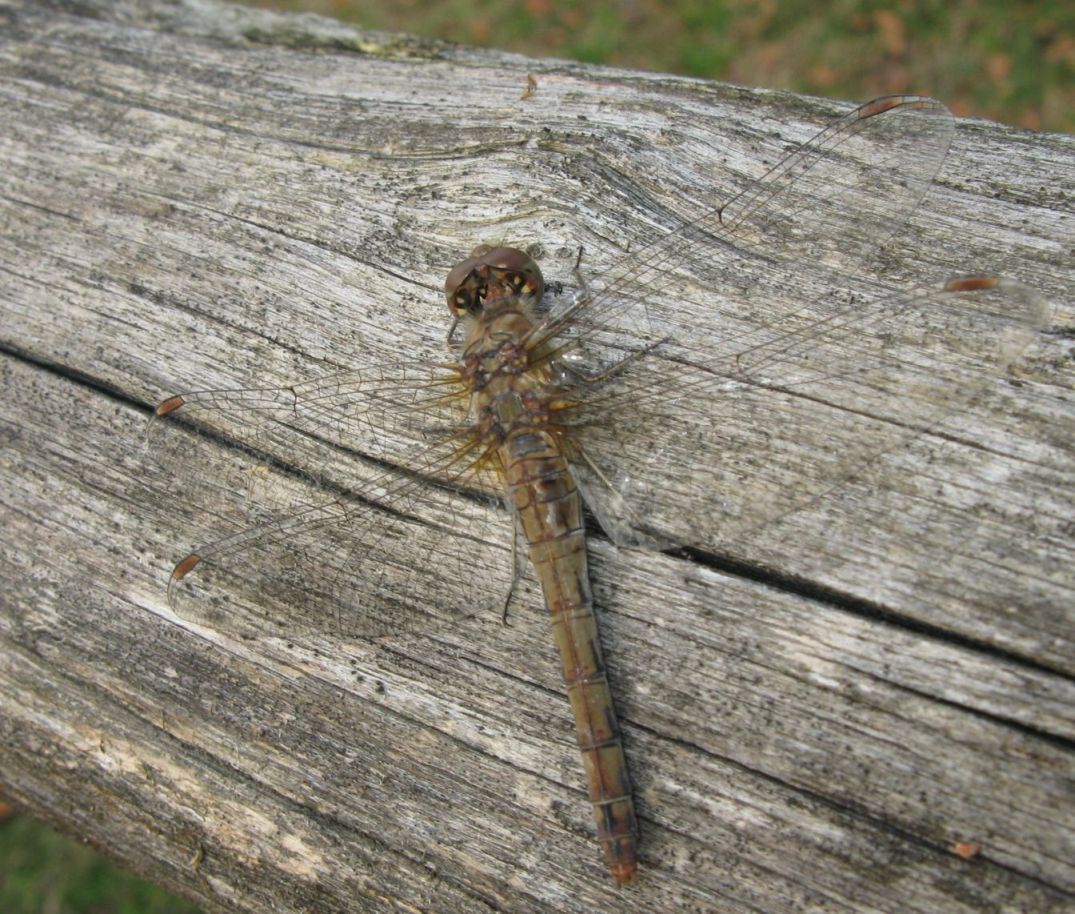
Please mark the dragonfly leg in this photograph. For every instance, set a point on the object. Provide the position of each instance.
(516, 573)
(451, 331)
(583, 293)
(593, 377)
(613, 370)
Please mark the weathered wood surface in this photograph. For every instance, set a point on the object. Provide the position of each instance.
(196, 195)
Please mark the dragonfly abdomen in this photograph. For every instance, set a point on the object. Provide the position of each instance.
(550, 512)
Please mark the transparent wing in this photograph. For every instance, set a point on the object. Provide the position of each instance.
(780, 409)
(743, 363)
(849, 188)
(352, 499)
(833, 200)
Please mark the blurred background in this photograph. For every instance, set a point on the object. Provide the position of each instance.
(42, 872)
(1008, 61)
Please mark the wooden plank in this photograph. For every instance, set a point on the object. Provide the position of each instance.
(203, 196)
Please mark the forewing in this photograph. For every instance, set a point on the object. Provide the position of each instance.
(746, 365)
(834, 199)
(358, 505)
(848, 189)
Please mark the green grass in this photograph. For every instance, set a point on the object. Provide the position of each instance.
(1012, 62)
(42, 872)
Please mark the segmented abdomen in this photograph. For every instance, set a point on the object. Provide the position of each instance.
(550, 510)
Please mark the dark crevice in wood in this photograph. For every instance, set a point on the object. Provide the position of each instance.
(813, 590)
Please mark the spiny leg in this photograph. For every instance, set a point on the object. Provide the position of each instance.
(594, 377)
(518, 570)
(584, 287)
(582, 296)
(451, 331)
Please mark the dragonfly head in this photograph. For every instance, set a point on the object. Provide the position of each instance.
(490, 274)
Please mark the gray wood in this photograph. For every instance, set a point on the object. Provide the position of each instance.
(199, 195)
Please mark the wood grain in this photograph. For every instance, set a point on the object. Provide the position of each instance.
(837, 718)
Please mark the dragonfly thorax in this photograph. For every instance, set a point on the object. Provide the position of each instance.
(509, 411)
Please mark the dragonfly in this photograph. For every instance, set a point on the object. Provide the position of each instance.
(734, 350)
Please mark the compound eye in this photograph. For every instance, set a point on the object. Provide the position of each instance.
(458, 275)
(518, 269)
(459, 287)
